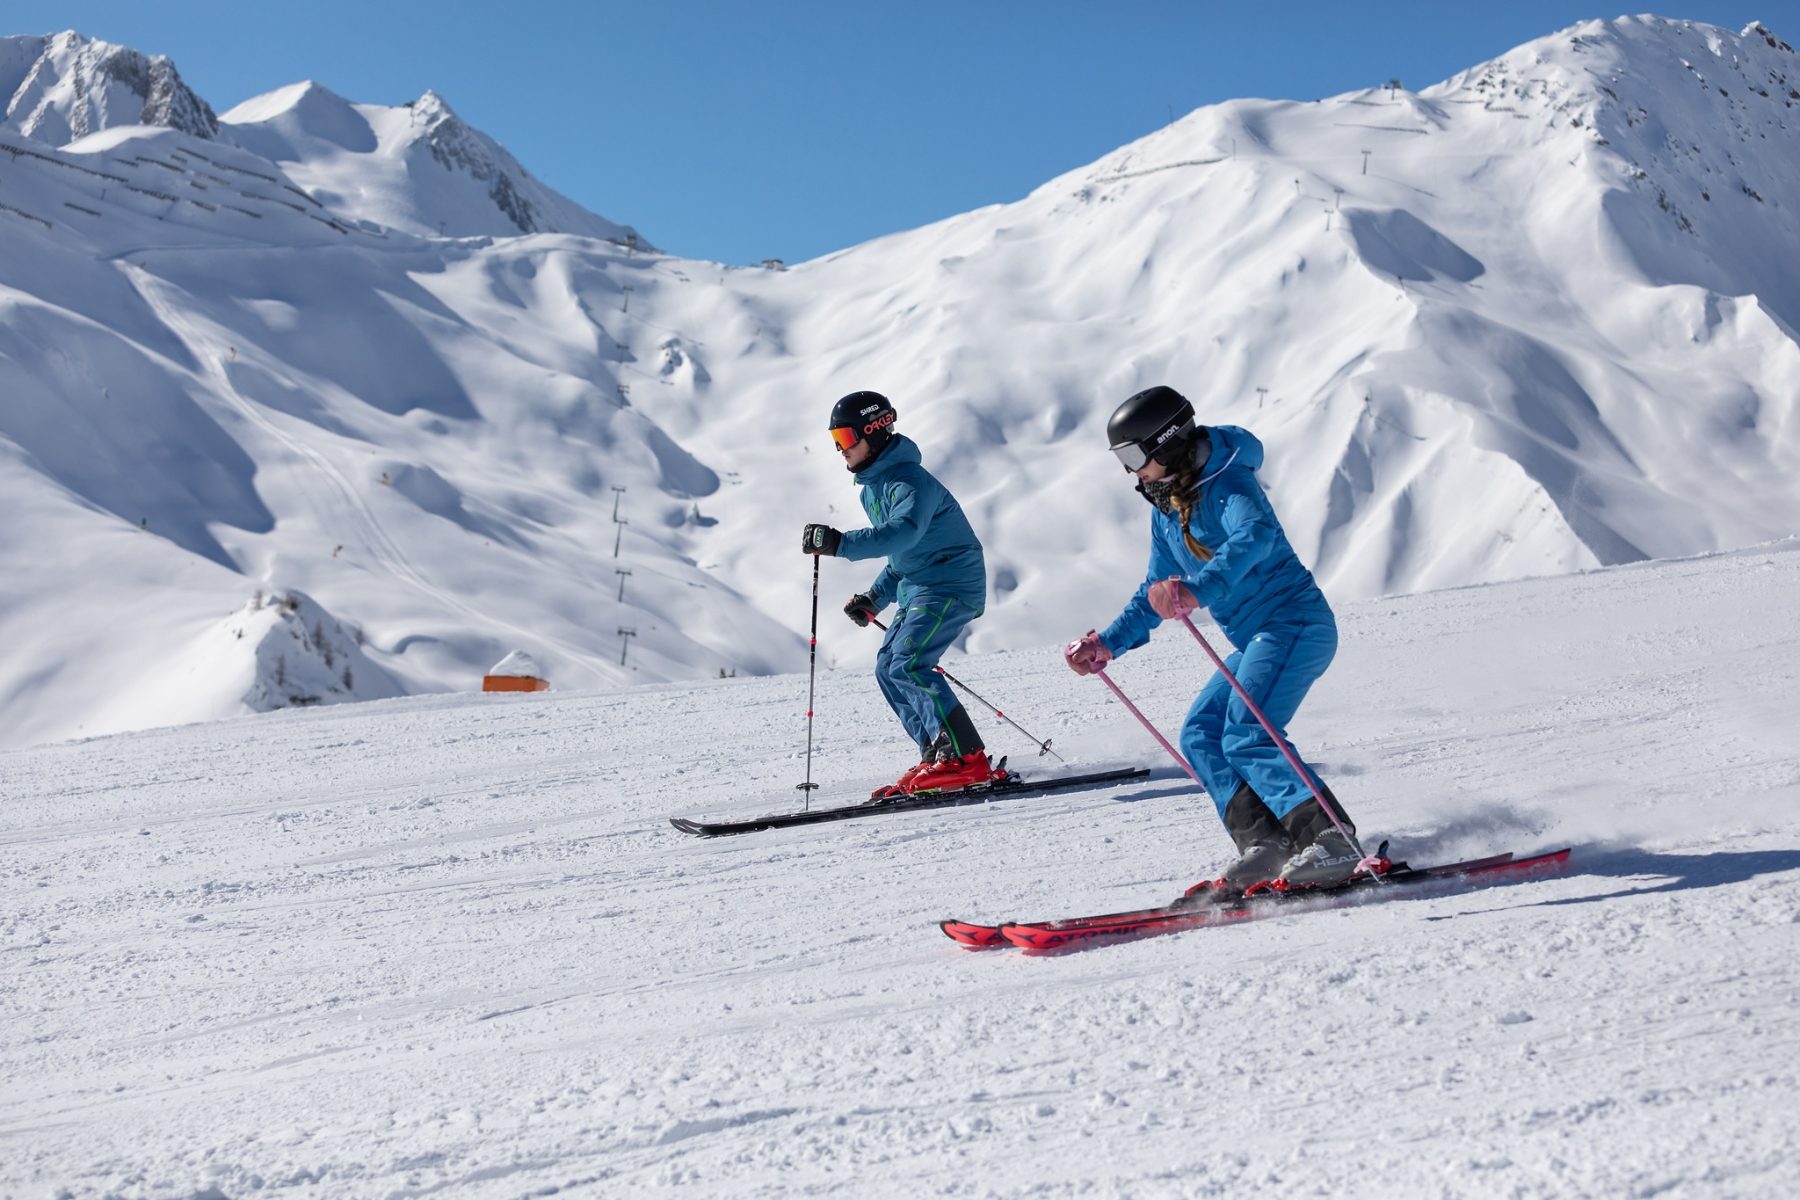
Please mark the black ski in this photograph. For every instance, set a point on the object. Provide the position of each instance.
(981, 793)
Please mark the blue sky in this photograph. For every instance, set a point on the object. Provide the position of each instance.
(743, 131)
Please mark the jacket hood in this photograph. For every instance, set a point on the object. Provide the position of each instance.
(1234, 445)
(901, 449)
(1225, 445)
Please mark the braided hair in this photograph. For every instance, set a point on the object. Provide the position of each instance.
(1178, 492)
(1187, 496)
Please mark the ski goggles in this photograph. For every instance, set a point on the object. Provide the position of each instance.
(1135, 454)
(1132, 455)
(846, 436)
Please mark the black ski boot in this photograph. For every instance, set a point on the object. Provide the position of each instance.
(1325, 857)
(1264, 847)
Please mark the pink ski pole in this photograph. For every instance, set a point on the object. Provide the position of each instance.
(1145, 721)
(1287, 751)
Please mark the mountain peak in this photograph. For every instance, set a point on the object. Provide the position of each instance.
(1758, 29)
(272, 104)
(387, 164)
(431, 104)
(65, 86)
(300, 121)
(1637, 54)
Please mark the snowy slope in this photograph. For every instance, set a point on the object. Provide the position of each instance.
(1552, 326)
(259, 398)
(449, 945)
(1503, 354)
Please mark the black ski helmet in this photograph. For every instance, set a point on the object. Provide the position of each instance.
(1152, 424)
(862, 416)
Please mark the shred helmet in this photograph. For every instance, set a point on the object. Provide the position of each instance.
(862, 416)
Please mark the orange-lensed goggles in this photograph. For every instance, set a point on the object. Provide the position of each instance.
(846, 436)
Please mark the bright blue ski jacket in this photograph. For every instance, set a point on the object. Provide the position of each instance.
(920, 528)
(1253, 580)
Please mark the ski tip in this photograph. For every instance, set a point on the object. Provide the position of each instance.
(972, 936)
(1511, 864)
(1027, 937)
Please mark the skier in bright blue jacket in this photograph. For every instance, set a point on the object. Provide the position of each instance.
(1216, 543)
(936, 574)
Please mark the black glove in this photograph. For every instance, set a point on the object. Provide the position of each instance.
(860, 609)
(820, 539)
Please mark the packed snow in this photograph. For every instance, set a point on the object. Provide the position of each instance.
(1537, 318)
(450, 945)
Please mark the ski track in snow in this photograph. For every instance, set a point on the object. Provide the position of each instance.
(449, 945)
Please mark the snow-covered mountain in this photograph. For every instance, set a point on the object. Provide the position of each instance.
(416, 167)
(61, 88)
(1536, 318)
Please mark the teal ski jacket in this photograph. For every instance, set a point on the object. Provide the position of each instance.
(918, 526)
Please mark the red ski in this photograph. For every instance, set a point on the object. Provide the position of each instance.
(1199, 907)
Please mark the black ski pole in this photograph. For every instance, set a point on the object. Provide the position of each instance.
(1043, 746)
(812, 676)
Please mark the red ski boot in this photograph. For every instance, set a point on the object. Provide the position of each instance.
(948, 774)
(903, 785)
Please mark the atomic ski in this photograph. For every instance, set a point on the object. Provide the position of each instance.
(980, 793)
(1199, 906)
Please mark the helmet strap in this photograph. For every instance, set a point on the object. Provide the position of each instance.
(879, 441)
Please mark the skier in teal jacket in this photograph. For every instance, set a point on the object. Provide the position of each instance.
(1216, 543)
(935, 573)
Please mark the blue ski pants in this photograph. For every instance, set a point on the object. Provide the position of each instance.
(922, 629)
(1223, 739)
